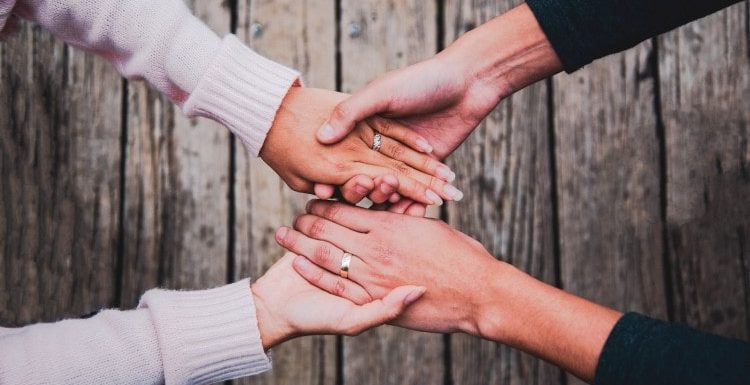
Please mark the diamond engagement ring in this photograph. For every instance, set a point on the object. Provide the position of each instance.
(377, 140)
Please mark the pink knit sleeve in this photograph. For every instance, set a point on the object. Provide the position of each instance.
(162, 43)
(173, 338)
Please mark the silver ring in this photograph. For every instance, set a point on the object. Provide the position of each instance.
(345, 261)
(377, 140)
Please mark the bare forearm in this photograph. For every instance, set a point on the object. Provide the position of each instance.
(509, 52)
(547, 322)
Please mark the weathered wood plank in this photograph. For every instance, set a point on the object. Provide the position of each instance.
(378, 36)
(609, 183)
(299, 34)
(177, 182)
(505, 169)
(59, 178)
(705, 92)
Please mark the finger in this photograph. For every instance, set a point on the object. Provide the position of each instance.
(357, 188)
(324, 191)
(325, 230)
(416, 210)
(422, 162)
(380, 311)
(321, 253)
(385, 186)
(394, 198)
(327, 281)
(400, 207)
(351, 217)
(400, 133)
(408, 186)
(369, 101)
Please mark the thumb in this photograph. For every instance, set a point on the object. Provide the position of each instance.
(380, 311)
(369, 101)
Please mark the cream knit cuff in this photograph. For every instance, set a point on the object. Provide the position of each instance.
(242, 90)
(207, 336)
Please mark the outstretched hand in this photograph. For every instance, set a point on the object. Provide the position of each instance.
(444, 98)
(287, 306)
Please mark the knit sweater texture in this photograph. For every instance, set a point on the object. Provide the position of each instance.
(173, 337)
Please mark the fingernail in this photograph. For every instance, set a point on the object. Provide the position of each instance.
(282, 233)
(385, 188)
(325, 132)
(414, 295)
(423, 145)
(444, 173)
(361, 190)
(433, 198)
(454, 193)
(452, 178)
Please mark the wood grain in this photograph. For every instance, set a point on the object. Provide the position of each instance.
(177, 182)
(301, 35)
(59, 194)
(505, 169)
(705, 92)
(609, 183)
(377, 36)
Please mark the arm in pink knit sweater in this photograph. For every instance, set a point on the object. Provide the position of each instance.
(161, 42)
(174, 337)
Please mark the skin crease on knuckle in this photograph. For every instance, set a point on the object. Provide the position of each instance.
(317, 228)
(323, 255)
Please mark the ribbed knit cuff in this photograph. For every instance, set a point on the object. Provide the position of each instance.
(207, 336)
(241, 90)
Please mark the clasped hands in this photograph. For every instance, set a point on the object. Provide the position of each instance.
(423, 113)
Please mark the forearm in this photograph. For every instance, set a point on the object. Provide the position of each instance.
(508, 52)
(547, 322)
(163, 43)
(173, 337)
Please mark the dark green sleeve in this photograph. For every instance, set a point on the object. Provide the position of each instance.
(645, 351)
(581, 31)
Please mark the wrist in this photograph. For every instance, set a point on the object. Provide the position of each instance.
(525, 313)
(272, 328)
(507, 53)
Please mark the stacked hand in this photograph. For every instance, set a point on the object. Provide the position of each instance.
(293, 152)
(444, 98)
(467, 289)
(287, 306)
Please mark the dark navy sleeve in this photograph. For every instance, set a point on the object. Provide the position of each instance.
(645, 351)
(581, 31)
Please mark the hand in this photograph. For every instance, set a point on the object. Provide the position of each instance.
(467, 289)
(393, 250)
(444, 98)
(292, 151)
(287, 306)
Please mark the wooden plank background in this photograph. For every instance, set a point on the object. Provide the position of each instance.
(625, 182)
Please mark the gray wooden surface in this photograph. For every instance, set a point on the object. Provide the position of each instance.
(625, 182)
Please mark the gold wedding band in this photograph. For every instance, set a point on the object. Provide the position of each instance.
(345, 261)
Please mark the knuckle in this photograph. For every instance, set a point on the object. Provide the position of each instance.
(317, 277)
(323, 254)
(317, 228)
(332, 212)
(340, 112)
(401, 168)
(396, 151)
(338, 289)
